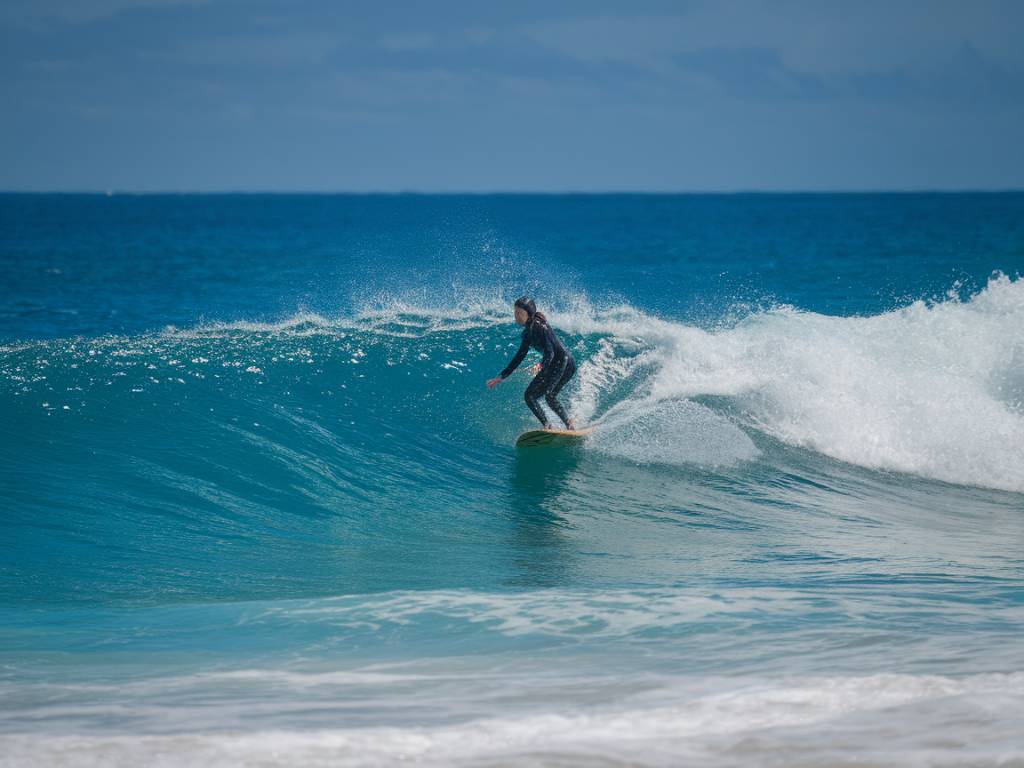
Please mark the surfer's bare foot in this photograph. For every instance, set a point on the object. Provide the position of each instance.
(570, 424)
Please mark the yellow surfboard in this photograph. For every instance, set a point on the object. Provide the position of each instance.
(540, 437)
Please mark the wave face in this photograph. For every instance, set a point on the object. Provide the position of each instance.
(258, 505)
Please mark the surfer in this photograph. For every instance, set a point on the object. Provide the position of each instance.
(552, 372)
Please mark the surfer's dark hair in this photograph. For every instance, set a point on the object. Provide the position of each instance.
(525, 302)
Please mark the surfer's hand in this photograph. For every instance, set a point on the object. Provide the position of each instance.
(492, 383)
(535, 368)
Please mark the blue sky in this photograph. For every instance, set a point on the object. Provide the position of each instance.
(295, 95)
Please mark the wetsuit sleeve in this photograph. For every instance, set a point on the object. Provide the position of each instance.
(523, 349)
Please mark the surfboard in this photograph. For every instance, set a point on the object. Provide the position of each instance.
(538, 437)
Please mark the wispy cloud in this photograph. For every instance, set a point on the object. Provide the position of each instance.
(571, 94)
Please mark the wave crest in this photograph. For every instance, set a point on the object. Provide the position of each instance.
(930, 389)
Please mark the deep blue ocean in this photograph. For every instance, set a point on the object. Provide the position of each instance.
(258, 507)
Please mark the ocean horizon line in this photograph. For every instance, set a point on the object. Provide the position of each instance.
(507, 193)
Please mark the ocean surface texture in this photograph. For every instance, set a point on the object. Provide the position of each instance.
(258, 507)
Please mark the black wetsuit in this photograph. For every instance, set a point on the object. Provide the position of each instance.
(556, 368)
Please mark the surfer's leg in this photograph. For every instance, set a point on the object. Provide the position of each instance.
(560, 376)
(533, 392)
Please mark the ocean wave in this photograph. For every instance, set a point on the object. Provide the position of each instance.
(931, 389)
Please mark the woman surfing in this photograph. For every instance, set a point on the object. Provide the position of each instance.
(552, 372)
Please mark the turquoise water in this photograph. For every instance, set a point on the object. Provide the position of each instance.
(259, 507)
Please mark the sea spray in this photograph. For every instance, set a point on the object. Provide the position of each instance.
(932, 389)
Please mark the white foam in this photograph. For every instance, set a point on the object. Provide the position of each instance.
(888, 719)
(930, 389)
(672, 431)
(565, 613)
